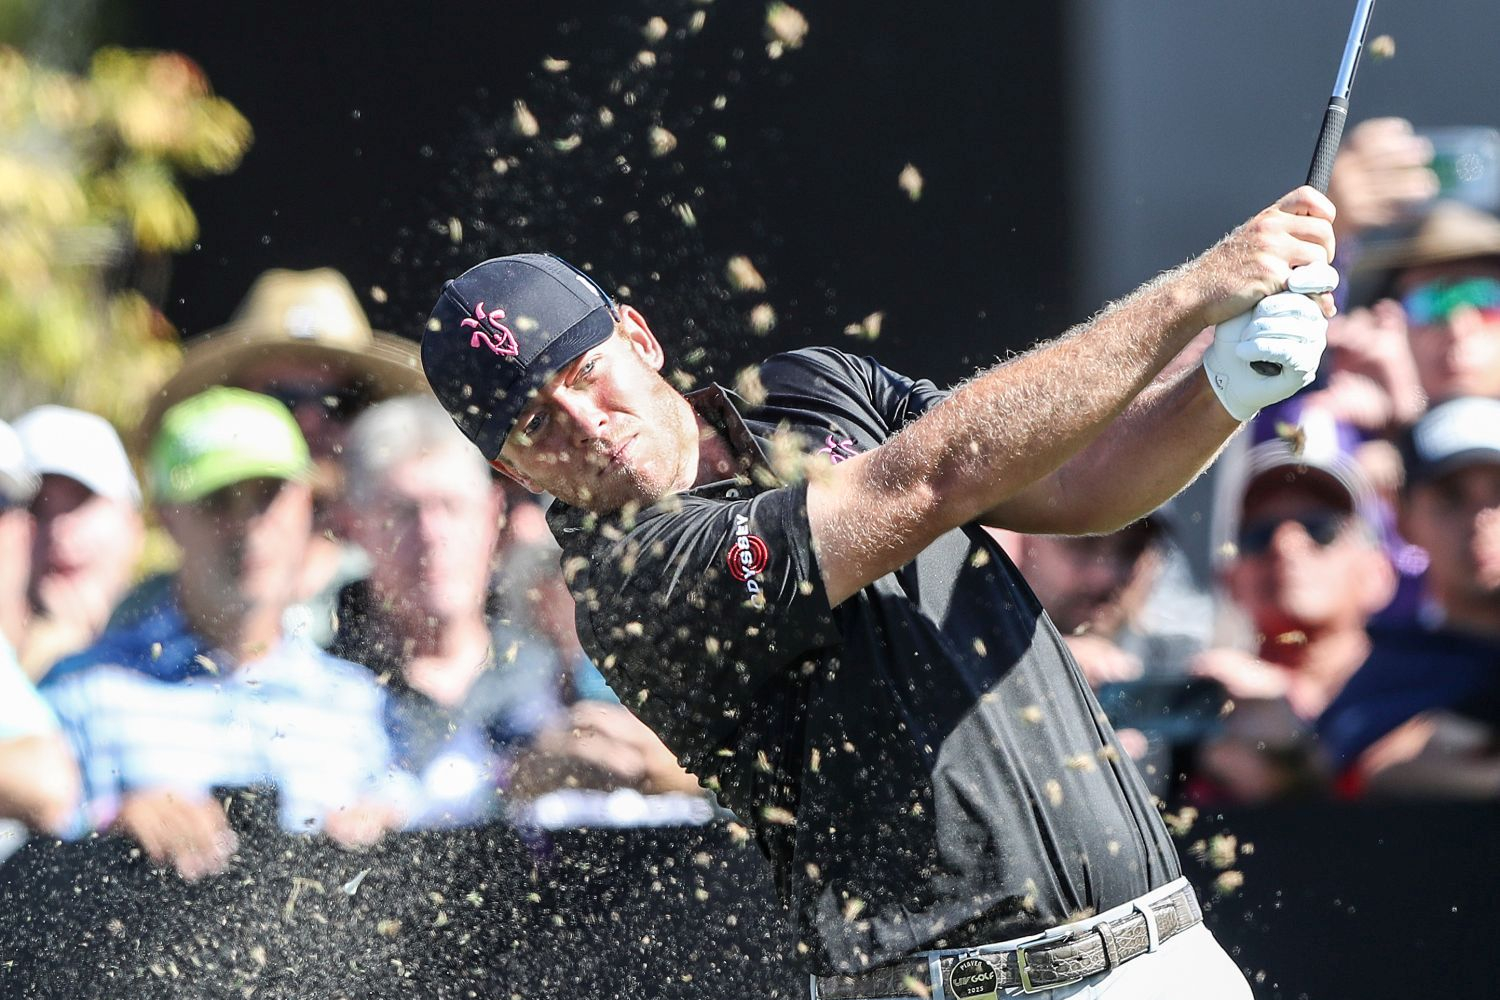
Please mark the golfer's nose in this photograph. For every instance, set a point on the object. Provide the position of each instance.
(588, 419)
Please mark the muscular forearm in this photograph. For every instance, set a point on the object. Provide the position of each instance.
(1162, 441)
(1006, 430)
(1019, 422)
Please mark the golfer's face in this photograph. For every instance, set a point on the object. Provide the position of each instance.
(606, 431)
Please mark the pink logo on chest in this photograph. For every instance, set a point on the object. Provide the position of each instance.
(490, 331)
(837, 449)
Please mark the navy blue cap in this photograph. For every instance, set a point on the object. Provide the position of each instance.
(500, 330)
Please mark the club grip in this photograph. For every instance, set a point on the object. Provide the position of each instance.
(1317, 176)
(1328, 143)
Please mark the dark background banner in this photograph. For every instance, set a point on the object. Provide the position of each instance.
(1337, 902)
(378, 125)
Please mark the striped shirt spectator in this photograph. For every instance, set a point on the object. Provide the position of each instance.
(153, 707)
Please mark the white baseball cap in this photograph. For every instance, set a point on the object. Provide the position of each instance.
(1455, 434)
(17, 481)
(61, 441)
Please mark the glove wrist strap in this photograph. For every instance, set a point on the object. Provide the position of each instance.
(1234, 411)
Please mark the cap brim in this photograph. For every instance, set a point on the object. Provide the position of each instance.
(18, 486)
(1325, 480)
(1418, 473)
(389, 366)
(190, 487)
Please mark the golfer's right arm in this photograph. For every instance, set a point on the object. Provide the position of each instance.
(1019, 421)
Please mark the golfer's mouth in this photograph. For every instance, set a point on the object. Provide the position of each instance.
(614, 457)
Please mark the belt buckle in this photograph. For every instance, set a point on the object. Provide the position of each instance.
(1025, 973)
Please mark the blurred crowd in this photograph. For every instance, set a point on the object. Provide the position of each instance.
(364, 619)
(1350, 645)
(361, 619)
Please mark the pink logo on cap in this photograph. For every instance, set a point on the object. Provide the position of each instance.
(490, 331)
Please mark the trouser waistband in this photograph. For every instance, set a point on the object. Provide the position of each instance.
(1057, 957)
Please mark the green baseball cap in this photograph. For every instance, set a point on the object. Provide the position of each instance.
(221, 437)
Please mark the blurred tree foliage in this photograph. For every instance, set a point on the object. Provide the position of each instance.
(89, 209)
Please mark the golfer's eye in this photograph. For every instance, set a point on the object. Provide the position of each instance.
(534, 425)
(588, 367)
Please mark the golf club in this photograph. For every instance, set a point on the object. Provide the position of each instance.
(1333, 122)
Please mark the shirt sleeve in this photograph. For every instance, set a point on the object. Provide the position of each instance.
(589, 684)
(861, 390)
(129, 732)
(23, 712)
(692, 611)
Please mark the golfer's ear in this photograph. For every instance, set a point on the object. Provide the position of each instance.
(634, 328)
(510, 472)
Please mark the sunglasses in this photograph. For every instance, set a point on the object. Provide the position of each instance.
(1438, 300)
(339, 402)
(1255, 537)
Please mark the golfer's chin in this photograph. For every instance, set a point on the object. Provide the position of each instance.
(614, 492)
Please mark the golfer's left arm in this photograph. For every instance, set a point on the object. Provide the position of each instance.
(1160, 443)
(1173, 429)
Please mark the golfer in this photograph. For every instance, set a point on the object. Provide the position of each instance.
(836, 646)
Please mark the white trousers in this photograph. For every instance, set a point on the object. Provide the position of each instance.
(1191, 966)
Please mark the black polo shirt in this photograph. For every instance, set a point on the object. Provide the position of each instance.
(924, 765)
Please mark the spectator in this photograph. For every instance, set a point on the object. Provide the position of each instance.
(600, 744)
(88, 535)
(38, 780)
(1434, 291)
(472, 703)
(299, 337)
(531, 593)
(1307, 570)
(208, 691)
(1447, 279)
(1094, 588)
(1420, 716)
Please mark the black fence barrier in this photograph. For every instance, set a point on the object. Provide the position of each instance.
(1360, 902)
(1336, 902)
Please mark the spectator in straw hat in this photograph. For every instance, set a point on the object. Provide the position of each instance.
(89, 531)
(1437, 289)
(300, 337)
(1446, 276)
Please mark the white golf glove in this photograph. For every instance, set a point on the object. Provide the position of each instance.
(1286, 329)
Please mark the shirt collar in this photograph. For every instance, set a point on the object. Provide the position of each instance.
(174, 652)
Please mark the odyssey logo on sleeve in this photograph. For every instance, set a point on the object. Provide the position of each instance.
(748, 556)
